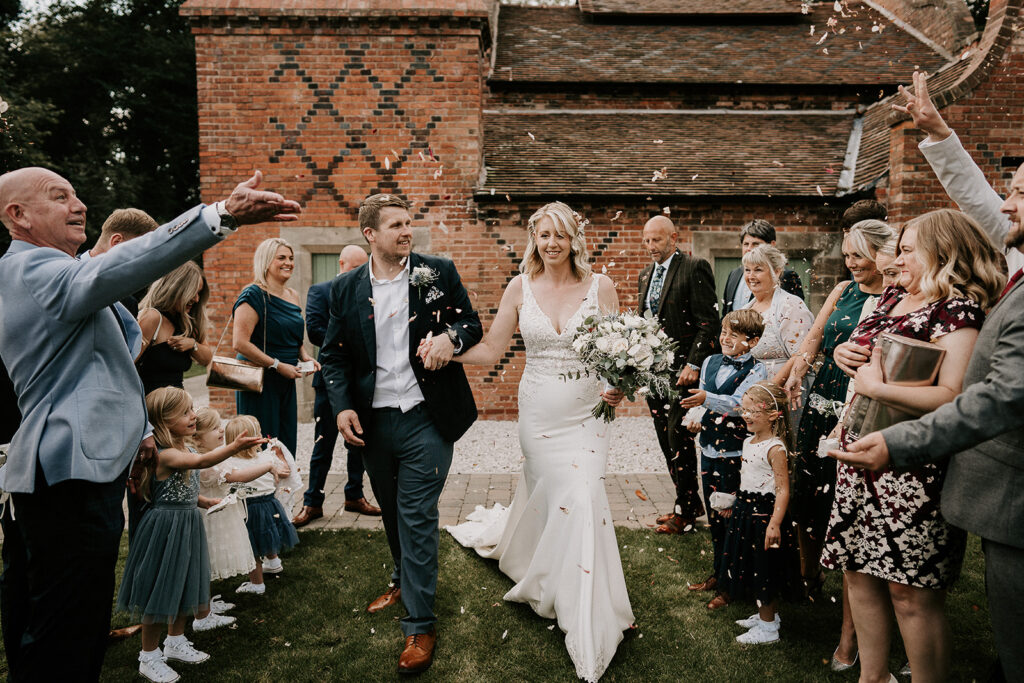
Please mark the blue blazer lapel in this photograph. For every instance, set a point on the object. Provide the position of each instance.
(364, 292)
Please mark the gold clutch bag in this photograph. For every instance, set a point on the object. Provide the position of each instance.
(233, 373)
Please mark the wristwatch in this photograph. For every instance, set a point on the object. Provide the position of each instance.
(227, 221)
(452, 336)
(274, 365)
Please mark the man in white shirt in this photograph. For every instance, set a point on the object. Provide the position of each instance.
(406, 413)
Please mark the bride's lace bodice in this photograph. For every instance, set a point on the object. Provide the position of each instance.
(547, 352)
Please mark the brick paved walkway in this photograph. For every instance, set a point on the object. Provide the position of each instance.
(463, 492)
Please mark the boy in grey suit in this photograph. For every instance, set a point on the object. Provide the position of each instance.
(82, 406)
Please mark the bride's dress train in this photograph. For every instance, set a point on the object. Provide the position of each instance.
(556, 539)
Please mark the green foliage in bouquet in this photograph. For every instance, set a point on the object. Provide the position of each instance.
(630, 352)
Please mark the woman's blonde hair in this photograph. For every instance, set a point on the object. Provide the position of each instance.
(768, 256)
(171, 294)
(868, 237)
(567, 222)
(163, 405)
(889, 248)
(775, 401)
(957, 258)
(243, 423)
(207, 420)
(264, 256)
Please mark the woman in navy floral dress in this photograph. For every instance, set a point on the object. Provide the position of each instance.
(885, 529)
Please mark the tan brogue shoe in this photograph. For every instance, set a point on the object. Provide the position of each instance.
(307, 515)
(391, 596)
(418, 654)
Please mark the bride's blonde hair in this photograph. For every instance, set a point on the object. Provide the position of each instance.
(567, 222)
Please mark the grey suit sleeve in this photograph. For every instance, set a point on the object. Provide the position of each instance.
(965, 183)
(981, 412)
(69, 289)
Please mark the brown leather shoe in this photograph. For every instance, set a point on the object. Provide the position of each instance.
(418, 654)
(719, 601)
(117, 634)
(307, 515)
(708, 584)
(676, 524)
(664, 518)
(362, 507)
(391, 596)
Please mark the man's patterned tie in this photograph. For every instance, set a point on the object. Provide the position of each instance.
(656, 283)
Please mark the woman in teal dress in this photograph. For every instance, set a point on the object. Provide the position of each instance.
(268, 330)
(814, 478)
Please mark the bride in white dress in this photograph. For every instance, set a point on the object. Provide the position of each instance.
(556, 540)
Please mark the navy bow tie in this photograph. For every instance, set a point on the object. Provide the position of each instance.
(729, 360)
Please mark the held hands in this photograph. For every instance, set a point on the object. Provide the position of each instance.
(249, 205)
(435, 351)
(612, 396)
(772, 537)
(849, 356)
(687, 376)
(349, 427)
(920, 108)
(147, 453)
(869, 453)
(696, 398)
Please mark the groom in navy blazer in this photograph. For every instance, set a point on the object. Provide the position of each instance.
(83, 413)
(407, 413)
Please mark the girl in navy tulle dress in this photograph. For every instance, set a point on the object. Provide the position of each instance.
(167, 573)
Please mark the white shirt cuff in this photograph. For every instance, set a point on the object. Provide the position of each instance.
(928, 142)
(212, 219)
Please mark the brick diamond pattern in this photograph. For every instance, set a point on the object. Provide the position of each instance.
(689, 7)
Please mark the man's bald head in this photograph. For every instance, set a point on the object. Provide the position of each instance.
(40, 207)
(351, 257)
(660, 238)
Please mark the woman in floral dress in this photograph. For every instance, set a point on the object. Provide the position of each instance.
(885, 530)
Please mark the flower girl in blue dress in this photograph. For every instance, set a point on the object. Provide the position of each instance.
(167, 573)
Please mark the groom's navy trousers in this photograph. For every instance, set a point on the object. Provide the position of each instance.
(408, 459)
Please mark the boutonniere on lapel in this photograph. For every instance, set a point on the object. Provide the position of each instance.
(425, 276)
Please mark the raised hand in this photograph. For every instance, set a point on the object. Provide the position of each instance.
(244, 442)
(249, 205)
(920, 108)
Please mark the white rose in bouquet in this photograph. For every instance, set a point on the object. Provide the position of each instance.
(618, 345)
(603, 344)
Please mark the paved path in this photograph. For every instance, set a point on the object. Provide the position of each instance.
(463, 492)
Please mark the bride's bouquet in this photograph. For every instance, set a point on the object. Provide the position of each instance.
(627, 350)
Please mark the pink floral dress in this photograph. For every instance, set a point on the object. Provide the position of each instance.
(887, 524)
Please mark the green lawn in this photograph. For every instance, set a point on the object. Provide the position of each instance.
(312, 626)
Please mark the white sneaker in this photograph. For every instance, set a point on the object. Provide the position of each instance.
(182, 651)
(211, 621)
(249, 587)
(273, 566)
(761, 634)
(755, 618)
(219, 606)
(153, 665)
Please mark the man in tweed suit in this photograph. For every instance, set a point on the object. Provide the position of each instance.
(680, 291)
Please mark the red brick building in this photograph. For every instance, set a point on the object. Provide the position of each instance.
(479, 112)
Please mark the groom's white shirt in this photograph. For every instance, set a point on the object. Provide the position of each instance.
(395, 385)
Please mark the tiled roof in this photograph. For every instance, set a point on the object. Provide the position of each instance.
(558, 45)
(684, 7)
(702, 153)
(873, 157)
